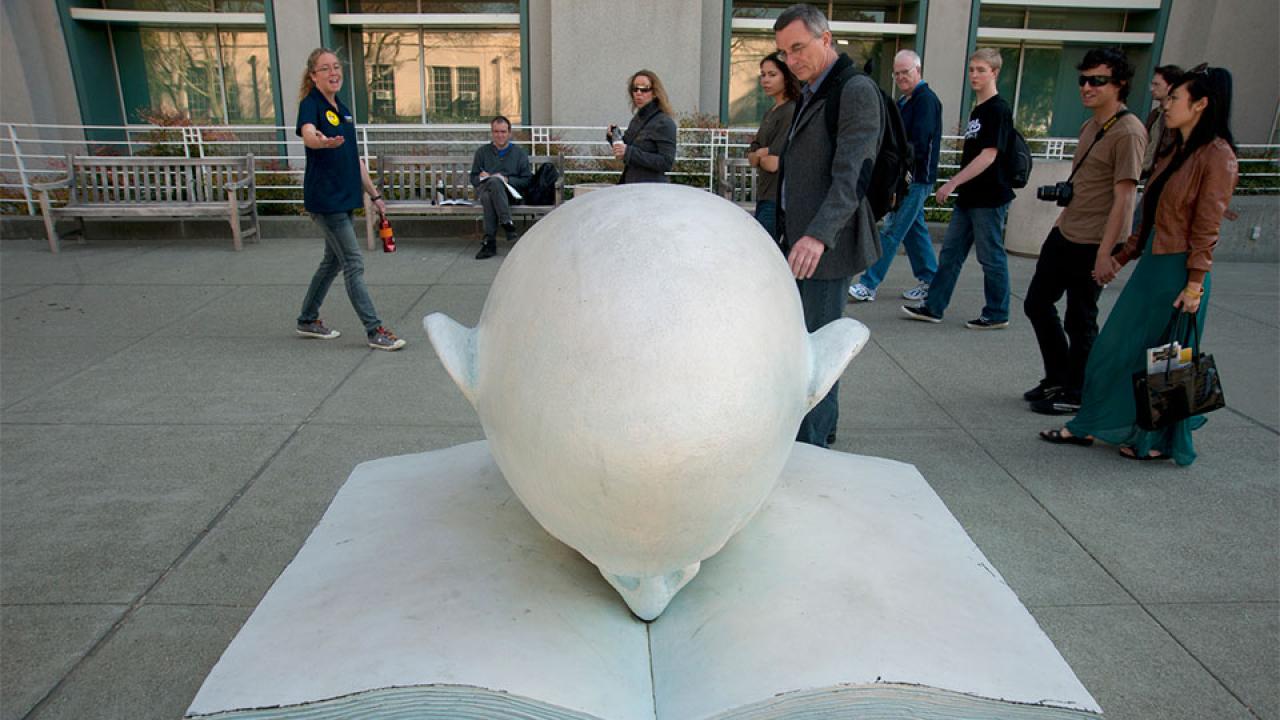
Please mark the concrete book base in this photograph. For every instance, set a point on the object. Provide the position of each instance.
(428, 591)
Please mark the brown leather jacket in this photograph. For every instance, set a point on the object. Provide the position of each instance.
(1191, 208)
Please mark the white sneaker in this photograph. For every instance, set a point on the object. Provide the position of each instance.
(917, 293)
(861, 293)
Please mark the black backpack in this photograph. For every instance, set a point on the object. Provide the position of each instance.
(542, 191)
(1019, 153)
(891, 175)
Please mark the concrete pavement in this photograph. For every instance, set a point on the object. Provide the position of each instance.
(167, 444)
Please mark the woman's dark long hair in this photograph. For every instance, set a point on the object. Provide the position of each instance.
(791, 85)
(1199, 82)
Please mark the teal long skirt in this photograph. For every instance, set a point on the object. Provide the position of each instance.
(1138, 321)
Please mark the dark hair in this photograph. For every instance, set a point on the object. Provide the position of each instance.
(1214, 83)
(813, 19)
(791, 86)
(1115, 59)
(1200, 82)
(500, 119)
(1170, 73)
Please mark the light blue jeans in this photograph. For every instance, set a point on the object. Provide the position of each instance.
(907, 227)
(341, 253)
(981, 229)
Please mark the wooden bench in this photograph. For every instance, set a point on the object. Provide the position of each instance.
(736, 180)
(155, 187)
(421, 185)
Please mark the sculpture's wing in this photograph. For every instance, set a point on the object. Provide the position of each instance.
(456, 345)
(831, 348)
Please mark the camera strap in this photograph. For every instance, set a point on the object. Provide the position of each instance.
(1105, 127)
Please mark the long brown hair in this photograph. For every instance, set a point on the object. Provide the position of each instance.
(659, 92)
(312, 59)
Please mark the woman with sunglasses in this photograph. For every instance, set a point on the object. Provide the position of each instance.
(1182, 210)
(779, 83)
(648, 148)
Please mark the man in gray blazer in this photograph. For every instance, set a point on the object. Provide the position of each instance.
(828, 230)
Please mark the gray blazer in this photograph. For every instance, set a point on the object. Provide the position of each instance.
(826, 190)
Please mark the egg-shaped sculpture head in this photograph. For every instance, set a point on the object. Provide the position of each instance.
(640, 369)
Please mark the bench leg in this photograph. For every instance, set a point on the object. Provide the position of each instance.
(235, 220)
(49, 229)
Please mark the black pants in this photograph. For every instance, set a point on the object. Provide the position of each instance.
(1064, 268)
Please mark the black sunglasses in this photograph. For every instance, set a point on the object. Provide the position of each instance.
(641, 89)
(1094, 80)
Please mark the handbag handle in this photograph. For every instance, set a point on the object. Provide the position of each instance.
(1172, 330)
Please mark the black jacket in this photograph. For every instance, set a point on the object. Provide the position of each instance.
(651, 146)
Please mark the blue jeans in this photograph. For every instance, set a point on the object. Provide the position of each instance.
(823, 302)
(341, 252)
(907, 227)
(767, 214)
(983, 230)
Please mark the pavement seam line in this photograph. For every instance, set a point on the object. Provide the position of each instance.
(112, 631)
(1147, 611)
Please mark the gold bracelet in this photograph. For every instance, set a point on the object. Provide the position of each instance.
(1192, 293)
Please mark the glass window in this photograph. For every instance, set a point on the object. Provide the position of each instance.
(1067, 19)
(836, 10)
(748, 103)
(487, 73)
(1002, 17)
(392, 64)
(246, 74)
(187, 5)
(206, 76)
(431, 6)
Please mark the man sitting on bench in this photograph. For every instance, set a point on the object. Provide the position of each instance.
(501, 175)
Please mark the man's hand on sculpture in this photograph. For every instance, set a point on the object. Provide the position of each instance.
(804, 257)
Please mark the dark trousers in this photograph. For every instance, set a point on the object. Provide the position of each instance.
(823, 302)
(1064, 268)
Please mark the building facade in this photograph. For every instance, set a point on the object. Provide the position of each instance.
(566, 62)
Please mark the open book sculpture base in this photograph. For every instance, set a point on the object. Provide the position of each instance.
(428, 591)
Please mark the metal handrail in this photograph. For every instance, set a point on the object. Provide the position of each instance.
(36, 151)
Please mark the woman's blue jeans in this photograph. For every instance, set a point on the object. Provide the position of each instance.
(341, 253)
(980, 229)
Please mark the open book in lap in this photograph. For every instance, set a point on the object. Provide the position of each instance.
(428, 591)
(515, 194)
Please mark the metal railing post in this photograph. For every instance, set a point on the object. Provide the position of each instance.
(22, 170)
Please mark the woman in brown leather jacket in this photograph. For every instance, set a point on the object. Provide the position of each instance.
(1182, 210)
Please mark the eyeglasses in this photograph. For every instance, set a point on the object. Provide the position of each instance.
(796, 49)
(1094, 80)
(324, 69)
(641, 89)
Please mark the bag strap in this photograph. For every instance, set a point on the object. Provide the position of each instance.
(1096, 138)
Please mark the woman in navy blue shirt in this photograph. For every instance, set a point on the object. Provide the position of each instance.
(331, 190)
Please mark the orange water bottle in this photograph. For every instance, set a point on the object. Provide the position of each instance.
(388, 237)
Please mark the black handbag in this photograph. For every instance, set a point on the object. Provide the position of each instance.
(1171, 396)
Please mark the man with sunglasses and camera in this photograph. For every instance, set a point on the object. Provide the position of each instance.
(1097, 203)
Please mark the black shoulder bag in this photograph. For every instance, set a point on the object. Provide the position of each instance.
(1168, 397)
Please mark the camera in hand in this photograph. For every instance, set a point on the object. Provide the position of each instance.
(1059, 192)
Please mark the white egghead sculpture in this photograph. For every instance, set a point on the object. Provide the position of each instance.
(640, 368)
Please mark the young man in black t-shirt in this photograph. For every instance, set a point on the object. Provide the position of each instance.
(981, 207)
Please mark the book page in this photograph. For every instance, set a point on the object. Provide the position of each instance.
(425, 578)
(854, 573)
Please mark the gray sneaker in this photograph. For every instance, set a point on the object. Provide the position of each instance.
(918, 293)
(316, 329)
(384, 339)
(861, 293)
